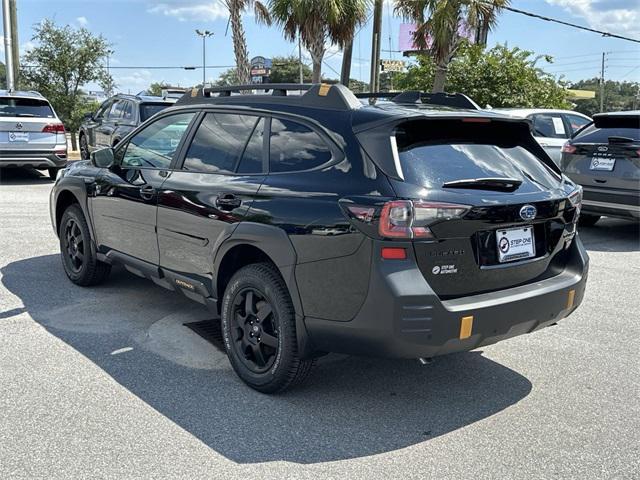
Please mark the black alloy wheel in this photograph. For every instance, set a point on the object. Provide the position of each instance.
(256, 330)
(74, 244)
(84, 148)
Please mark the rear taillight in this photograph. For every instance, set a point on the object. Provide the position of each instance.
(411, 219)
(568, 148)
(53, 128)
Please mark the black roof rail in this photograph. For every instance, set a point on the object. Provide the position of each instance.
(319, 95)
(454, 100)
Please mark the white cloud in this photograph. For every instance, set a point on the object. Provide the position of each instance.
(26, 46)
(616, 16)
(191, 10)
(135, 81)
(82, 21)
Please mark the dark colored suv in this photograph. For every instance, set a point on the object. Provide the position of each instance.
(604, 157)
(312, 223)
(116, 117)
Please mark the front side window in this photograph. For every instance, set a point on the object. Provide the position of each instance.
(295, 147)
(549, 125)
(219, 142)
(116, 109)
(155, 146)
(104, 108)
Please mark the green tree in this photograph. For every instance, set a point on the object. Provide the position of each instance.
(63, 61)
(155, 89)
(318, 23)
(3, 76)
(618, 96)
(287, 70)
(438, 23)
(227, 78)
(500, 77)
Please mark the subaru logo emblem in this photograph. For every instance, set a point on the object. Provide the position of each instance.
(19, 126)
(528, 212)
(603, 149)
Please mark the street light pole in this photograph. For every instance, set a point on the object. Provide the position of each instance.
(204, 34)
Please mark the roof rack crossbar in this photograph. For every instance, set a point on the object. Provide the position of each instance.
(455, 100)
(333, 97)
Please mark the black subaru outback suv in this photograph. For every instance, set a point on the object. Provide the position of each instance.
(314, 223)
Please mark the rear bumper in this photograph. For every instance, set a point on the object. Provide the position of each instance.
(33, 158)
(402, 316)
(611, 202)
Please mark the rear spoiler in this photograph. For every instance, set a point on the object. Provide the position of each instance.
(453, 100)
(617, 120)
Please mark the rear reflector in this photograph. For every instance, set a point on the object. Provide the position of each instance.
(53, 128)
(393, 253)
(571, 298)
(466, 325)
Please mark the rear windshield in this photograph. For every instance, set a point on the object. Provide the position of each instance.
(592, 134)
(25, 107)
(617, 121)
(148, 110)
(433, 156)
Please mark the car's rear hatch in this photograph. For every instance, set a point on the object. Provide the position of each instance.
(28, 124)
(606, 153)
(508, 188)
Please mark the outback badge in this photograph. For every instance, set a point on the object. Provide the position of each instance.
(528, 212)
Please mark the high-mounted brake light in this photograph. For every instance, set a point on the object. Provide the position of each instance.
(476, 120)
(568, 148)
(411, 219)
(53, 128)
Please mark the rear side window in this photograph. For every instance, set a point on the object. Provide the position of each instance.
(549, 125)
(576, 122)
(219, 143)
(25, 107)
(433, 154)
(116, 109)
(295, 147)
(127, 111)
(253, 153)
(148, 110)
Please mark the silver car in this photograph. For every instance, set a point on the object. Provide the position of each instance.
(551, 128)
(31, 134)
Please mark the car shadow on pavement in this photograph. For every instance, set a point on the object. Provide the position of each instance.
(350, 407)
(23, 176)
(611, 235)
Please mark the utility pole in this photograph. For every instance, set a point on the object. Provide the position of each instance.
(204, 34)
(375, 47)
(8, 50)
(345, 72)
(15, 46)
(602, 83)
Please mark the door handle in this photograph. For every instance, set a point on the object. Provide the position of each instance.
(228, 201)
(147, 192)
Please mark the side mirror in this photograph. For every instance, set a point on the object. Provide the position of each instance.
(103, 158)
(88, 116)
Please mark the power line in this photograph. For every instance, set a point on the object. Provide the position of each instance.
(562, 22)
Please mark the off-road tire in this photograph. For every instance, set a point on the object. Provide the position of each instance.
(287, 369)
(90, 271)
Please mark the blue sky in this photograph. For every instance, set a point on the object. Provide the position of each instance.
(161, 33)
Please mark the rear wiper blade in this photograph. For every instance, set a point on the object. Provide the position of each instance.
(500, 184)
(24, 115)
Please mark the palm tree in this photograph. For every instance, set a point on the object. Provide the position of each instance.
(438, 23)
(236, 9)
(319, 23)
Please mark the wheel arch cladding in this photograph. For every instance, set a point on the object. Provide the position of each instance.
(65, 199)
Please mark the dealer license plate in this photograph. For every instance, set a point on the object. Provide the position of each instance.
(18, 136)
(605, 164)
(515, 244)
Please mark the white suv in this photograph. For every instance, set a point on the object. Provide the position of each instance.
(31, 134)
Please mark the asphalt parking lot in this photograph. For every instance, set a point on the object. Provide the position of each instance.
(107, 382)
